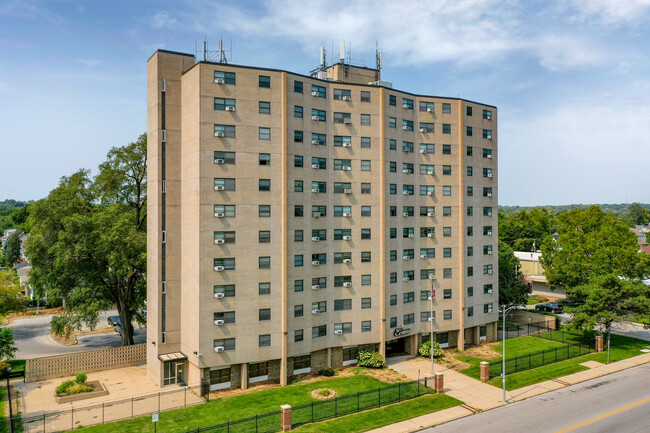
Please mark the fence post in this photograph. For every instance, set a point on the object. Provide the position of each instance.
(556, 354)
(418, 386)
(379, 397)
(516, 369)
(336, 406)
(543, 360)
(72, 418)
(357, 402)
(399, 391)
(530, 363)
(44, 416)
(255, 423)
(312, 411)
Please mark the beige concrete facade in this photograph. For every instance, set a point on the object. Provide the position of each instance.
(301, 231)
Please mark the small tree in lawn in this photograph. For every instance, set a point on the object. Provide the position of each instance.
(609, 299)
(7, 348)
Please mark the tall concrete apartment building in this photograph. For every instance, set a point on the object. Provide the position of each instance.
(296, 219)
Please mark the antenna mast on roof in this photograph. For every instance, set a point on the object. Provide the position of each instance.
(210, 56)
(377, 56)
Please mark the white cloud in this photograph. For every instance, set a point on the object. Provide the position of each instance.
(162, 19)
(559, 52)
(611, 12)
(90, 63)
(30, 10)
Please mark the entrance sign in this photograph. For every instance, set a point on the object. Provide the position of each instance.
(401, 331)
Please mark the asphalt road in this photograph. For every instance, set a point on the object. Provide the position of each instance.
(616, 403)
(32, 337)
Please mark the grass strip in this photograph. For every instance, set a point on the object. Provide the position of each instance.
(376, 418)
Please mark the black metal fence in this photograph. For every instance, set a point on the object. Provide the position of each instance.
(322, 410)
(516, 330)
(60, 421)
(539, 359)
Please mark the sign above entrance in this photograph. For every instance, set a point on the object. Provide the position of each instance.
(401, 331)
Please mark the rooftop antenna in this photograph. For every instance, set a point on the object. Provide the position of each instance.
(377, 56)
(342, 51)
(206, 55)
(323, 58)
(205, 49)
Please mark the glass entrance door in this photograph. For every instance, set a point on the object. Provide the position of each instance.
(173, 372)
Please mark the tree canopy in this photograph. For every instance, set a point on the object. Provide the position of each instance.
(12, 249)
(88, 242)
(7, 348)
(591, 243)
(513, 289)
(526, 229)
(11, 299)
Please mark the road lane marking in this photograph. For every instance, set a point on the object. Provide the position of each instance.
(605, 415)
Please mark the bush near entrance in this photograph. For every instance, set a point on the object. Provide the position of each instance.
(425, 349)
(371, 360)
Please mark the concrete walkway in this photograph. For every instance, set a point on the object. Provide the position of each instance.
(481, 396)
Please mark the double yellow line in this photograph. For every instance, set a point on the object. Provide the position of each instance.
(605, 415)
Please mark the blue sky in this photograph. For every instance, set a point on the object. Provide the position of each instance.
(571, 78)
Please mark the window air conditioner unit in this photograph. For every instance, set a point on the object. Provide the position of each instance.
(219, 322)
(406, 214)
(489, 309)
(347, 262)
(489, 214)
(315, 263)
(489, 252)
(220, 214)
(219, 241)
(315, 142)
(219, 268)
(406, 149)
(347, 190)
(490, 175)
(431, 235)
(219, 188)
(423, 151)
(347, 121)
(314, 93)
(488, 116)
(432, 277)
(347, 284)
(431, 214)
(315, 287)
(346, 98)
(347, 214)
(219, 134)
(347, 168)
(405, 128)
(347, 238)
(411, 235)
(423, 256)
(219, 349)
(315, 239)
(489, 271)
(230, 108)
(219, 81)
(316, 166)
(338, 332)
(423, 129)
(431, 193)
(490, 291)
(489, 233)
(219, 161)
(489, 194)
(315, 311)
(315, 190)
(406, 171)
(315, 117)
(405, 105)
(489, 156)
(347, 144)
(431, 172)
(430, 110)
(406, 257)
(405, 279)
(219, 295)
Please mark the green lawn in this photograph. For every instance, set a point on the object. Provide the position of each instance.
(4, 427)
(376, 418)
(260, 402)
(621, 348)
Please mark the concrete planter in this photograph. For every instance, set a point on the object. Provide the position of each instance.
(98, 391)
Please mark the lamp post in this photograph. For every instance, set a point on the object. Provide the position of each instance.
(503, 344)
(11, 415)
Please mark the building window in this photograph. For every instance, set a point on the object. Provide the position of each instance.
(221, 77)
(265, 81)
(264, 288)
(221, 184)
(426, 127)
(446, 108)
(446, 128)
(366, 326)
(446, 149)
(265, 159)
(487, 134)
(224, 131)
(318, 91)
(227, 290)
(426, 106)
(298, 335)
(342, 117)
(470, 231)
(469, 131)
(446, 252)
(319, 331)
(220, 104)
(365, 142)
(408, 297)
(392, 122)
(393, 300)
(470, 251)
(470, 292)
(470, 170)
(470, 311)
(446, 211)
(407, 125)
(226, 343)
(365, 96)
(392, 144)
(366, 211)
(264, 236)
(469, 111)
(265, 108)
(446, 191)
(341, 140)
(298, 286)
(297, 161)
(224, 211)
(366, 280)
(392, 100)
(297, 186)
(297, 111)
(365, 189)
(297, 86)
(366, 303)
(318, 115)
(446, 232)
(264, 314)
(265, 340)
(470, 150)
(470, 191)
(446, 314)
(297, 260)
(298, 236)
(366, 256)
(342, 94)
(298, 310)
(393, 277)
(265, 262)
(393, 322)
(446, 273)
(265, 184)
(265, 133)
(487, 114)
(342, 304)
(446, 170)
(343, 328)
(365, 119)
(297, 136)
(470, 271)
(408, 319)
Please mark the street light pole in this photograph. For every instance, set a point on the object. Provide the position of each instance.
(503, 344)
(11, 415)
(431, 327)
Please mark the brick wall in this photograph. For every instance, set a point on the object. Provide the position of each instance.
(70, 364)
(337, 357)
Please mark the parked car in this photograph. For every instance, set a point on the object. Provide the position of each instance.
(549, 306)
(114, 320)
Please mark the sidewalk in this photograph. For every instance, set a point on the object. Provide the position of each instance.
(481, 396)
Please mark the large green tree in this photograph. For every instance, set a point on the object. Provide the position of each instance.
(11, 299)
(608, 299)
(12, 249)
(88, 242)
(526, 229)
(638, 214)
(591, 243)
(513, 289)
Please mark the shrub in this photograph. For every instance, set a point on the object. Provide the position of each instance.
(63, 388)
(326, 372)
(371, 360)
(425, 349)
(81, 378)
(324, 392)
(78, 388)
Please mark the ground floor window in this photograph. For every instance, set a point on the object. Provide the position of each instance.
(483, 332)
(350, 354)
(301, 362)
(258, 369)
(443, 338)
(219, 378)
(173, 372)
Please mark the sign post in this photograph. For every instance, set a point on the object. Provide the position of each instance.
(154, 420)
